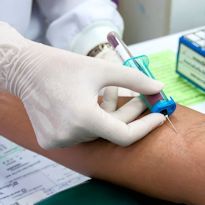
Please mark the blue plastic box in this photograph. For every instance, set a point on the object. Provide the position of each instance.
(191, 58)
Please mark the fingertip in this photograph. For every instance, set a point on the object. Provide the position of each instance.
(155, 87)
(160, 84)
(139, 129)
(158, 118)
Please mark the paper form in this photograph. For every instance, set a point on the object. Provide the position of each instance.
(26, 177)
(163, 66)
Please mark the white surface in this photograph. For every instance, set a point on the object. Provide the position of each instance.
(169, 42)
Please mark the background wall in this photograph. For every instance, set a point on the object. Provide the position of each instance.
(147, 19)
(187, 14)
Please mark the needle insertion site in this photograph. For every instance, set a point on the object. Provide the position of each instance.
(171, 123)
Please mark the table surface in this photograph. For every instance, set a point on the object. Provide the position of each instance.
(169, 42)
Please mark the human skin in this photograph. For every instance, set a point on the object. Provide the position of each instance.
(163, 164)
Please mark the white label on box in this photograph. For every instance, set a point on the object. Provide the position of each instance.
(192, 65)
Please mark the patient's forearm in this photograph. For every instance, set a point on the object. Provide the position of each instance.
(164, 164)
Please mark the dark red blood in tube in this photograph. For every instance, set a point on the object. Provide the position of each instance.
(152, 99)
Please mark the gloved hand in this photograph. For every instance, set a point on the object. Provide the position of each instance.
(60, 89)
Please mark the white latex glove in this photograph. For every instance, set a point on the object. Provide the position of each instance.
(60, 89)
(110, 94)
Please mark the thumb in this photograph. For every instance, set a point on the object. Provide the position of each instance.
(132, 79)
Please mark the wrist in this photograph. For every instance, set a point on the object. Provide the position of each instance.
(105, 52)
(92, 36)
(99, 49)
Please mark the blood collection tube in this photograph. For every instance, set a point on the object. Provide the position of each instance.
(157, 103)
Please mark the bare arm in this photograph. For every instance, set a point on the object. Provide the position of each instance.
(164, 164)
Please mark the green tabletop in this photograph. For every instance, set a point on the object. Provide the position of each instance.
(94, 192)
